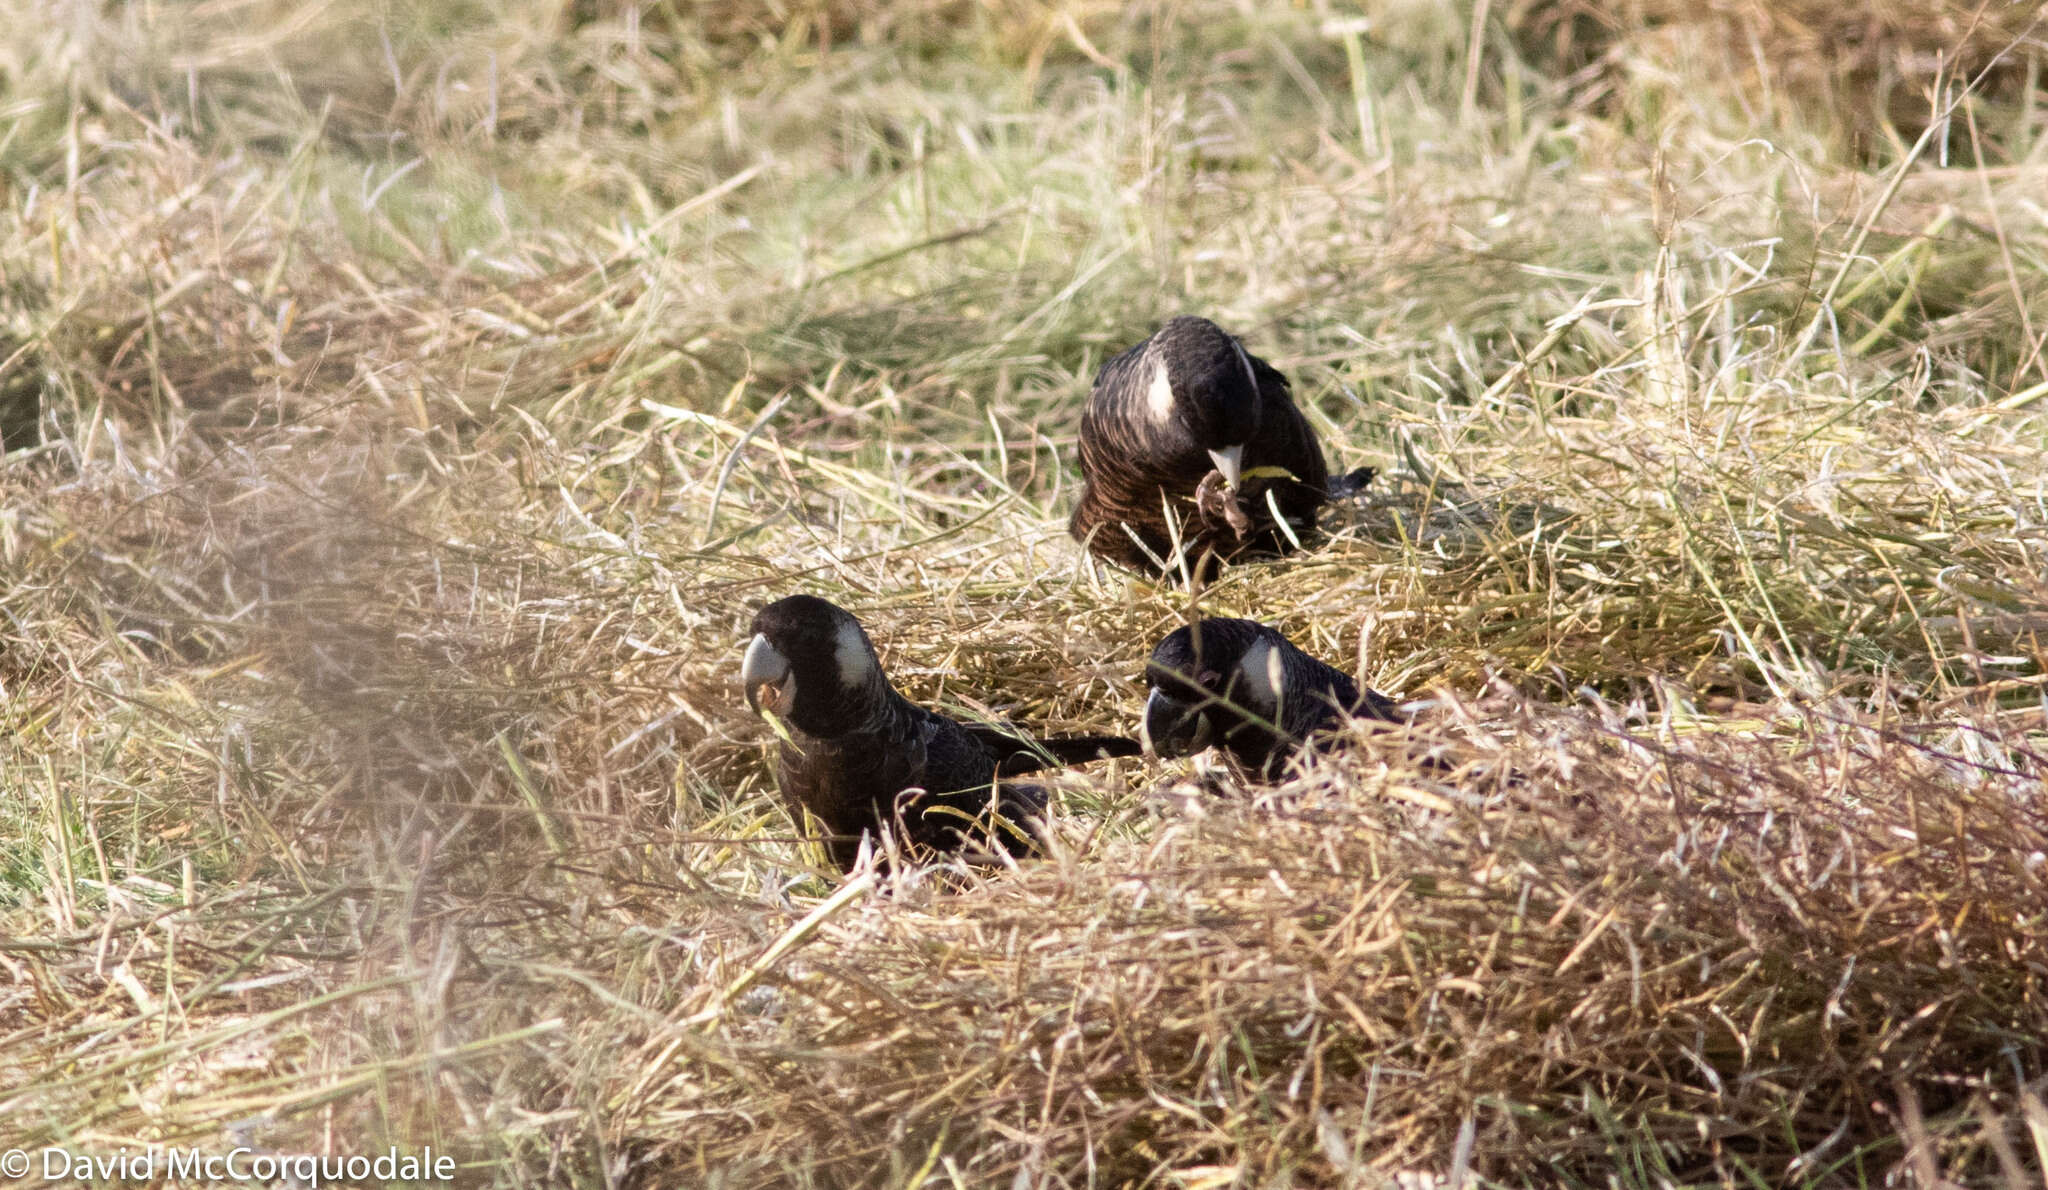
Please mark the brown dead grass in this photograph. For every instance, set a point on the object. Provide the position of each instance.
(1873, 73)
(424, 400)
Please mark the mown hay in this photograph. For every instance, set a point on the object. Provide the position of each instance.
(1880, 73)
(425, 398)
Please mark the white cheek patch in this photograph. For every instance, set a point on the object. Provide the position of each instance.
(1159, 397)
(851, 653)
(1264, 677)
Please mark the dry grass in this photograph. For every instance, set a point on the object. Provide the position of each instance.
(1873, 74)
(405, 409)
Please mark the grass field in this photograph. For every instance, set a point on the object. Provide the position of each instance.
(406, 405)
